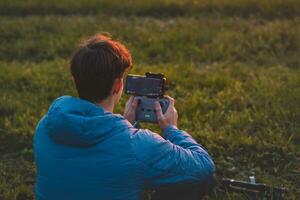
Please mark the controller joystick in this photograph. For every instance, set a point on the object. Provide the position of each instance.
(161, 104)
(139, 101)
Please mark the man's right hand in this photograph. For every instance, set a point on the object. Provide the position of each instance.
(170, 117)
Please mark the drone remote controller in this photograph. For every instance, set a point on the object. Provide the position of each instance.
(145, 111)
(147, 89)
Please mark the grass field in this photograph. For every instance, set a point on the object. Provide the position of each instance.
(233, 67)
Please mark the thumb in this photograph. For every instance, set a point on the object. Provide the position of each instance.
(134, 103)
(160, 117)
(129, 102)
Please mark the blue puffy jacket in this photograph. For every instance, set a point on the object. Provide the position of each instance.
(84, 152)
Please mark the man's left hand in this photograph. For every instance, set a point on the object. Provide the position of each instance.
(130, 107)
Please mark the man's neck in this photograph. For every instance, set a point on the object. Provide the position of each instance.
(107, 104)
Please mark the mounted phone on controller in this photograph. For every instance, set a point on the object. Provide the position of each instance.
(151, 85)
(148, 89)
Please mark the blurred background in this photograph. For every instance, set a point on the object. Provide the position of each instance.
(233, 67)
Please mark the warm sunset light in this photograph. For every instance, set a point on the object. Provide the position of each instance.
(149, 99)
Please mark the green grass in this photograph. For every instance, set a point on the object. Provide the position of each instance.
(155, 8)
(233, 68)
(151, 40)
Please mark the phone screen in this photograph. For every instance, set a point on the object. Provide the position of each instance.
(143, 86)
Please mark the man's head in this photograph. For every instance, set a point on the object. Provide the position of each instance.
(98, 66)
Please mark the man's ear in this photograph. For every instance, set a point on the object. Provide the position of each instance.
(118, 85)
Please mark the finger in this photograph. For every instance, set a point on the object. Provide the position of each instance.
(134, 103)
(158, 111)
(131, 99)
(160, 117)
(128, 103)
(171, 104)
(171, 100)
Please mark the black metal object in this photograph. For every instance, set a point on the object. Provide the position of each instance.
(253, 191)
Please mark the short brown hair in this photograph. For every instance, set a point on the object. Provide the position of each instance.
(95, 65)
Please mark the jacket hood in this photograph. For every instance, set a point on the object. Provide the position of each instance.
(78, 122)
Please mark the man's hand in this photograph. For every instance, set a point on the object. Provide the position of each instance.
(130, 107)
(170, 117)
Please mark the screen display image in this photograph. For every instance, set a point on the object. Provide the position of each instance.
(144, 86)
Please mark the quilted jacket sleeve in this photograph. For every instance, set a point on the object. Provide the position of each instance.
(176, 158)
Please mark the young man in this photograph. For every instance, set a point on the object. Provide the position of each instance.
(85, 152)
